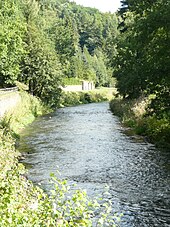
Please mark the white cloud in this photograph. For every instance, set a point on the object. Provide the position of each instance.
(102, 5)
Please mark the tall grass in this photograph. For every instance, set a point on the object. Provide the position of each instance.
(134, 114)
(24, 112)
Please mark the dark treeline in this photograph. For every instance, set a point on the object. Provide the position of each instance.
(44, 41)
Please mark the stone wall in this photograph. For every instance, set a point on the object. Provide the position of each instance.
(8, 101)
(72, 88)
(85, 86)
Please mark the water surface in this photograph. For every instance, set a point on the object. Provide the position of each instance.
(88, 146)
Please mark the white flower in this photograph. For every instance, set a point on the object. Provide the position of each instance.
(54, 208)
(34, 205)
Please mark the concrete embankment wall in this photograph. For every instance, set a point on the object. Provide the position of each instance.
(85, 86)
(8, 102)
(72, 88)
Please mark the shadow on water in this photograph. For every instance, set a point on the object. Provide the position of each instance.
(88, 146)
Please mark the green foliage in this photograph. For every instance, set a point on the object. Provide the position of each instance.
(91, 68)
(41, 42)
(41, 69)
(135, 114)
(160, 103)
(65, 39)
(82, 65)
(142, 60)
(88, 71)
(27, 109)
(141, 65)
(77, 64)
(12, 29)
(72, 81)
(84, 97)
(158, 130)
(103, 78)
(78, 33)
(70, 99)
(22, 204)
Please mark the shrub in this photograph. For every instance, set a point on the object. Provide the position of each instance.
(158, 130)
(25, 112)
(135, 114)
(84, 97)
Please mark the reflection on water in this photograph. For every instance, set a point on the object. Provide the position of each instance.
(88, 145)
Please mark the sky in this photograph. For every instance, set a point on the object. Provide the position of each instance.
(102, 5)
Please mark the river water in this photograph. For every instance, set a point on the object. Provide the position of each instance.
(88, 145)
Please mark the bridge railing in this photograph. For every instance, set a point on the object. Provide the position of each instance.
(7, 90)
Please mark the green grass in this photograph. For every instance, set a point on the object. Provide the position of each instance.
(25, 112)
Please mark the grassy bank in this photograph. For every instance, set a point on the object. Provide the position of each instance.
(24, 112)
(135, 114)
(24, 205)
(84, 97)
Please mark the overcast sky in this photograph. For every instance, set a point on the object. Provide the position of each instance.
(102, 5)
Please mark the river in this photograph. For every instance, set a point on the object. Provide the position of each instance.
(89, 146)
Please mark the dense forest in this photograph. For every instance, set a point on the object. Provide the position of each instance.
(45, 42)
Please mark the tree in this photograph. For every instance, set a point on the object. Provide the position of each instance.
(12, 29)
(102, 77)
(41, 69)
(142, 63)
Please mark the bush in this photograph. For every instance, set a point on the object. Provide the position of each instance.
(134, 114)
(25, 112)
(76, 98)
(158, 130)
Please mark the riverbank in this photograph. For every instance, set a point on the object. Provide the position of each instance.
(134, 115)
(84, 97)
(23, 112)
(8, 101)
(22, 203)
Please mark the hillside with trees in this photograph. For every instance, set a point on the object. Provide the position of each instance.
(42, 42)
(45, 42)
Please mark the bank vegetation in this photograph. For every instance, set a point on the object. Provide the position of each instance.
(25, 204)
(142, 68)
